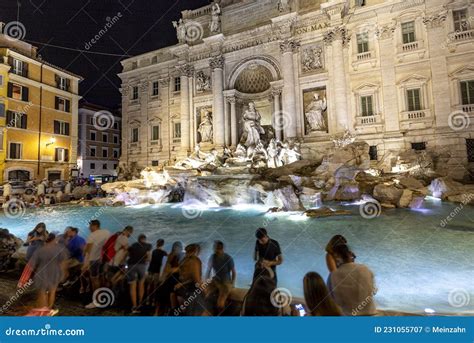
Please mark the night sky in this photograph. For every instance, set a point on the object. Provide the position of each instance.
(144, 25)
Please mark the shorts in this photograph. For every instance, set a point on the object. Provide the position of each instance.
(136, 272)
(95, 268)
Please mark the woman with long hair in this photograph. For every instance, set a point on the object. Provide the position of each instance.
(36, 239)
(316, 295)
(331, 261)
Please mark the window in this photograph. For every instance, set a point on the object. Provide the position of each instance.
(1, 139)
(116, 153)
(15, 151)
(115, 166)
(418, 146)
(17, 120)
(62, 83)
(413, 99)
(155, 163)
(135, 135)
(54, 175)
(408, 32)
(93, 151)
(93, 136)
(177, 84)
(366, 104)
(135, 93)
(360, 3)
(155, 88)
(470, 150)
(460, 20)
(467, 92)
(2, 110)
(104, 166)
(19, 175)
(155, 133)
(373, 153)
(105, 137)
(177, 130)
(92, 165)
(62, 104)
(17, 92)
(154, 60)
(116, 139)
(61, 155)
(1, 80)
(116, 126)
(19, 67)
(362, 42)
(61, 128)
(105, 152)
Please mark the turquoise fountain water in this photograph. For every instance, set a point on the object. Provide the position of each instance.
(418, 264)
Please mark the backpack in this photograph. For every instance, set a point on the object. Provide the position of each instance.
(108, 250)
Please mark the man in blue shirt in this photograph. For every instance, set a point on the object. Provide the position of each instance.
(75, 245)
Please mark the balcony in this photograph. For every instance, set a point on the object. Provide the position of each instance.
(369, 124)
(417, 48)
(461, 35)
(419, 119)
(410, 46)
(364, 57)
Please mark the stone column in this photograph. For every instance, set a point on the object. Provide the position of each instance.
(218, 115)
(336, 38)
(277, 118)
(234, 139)
(288, 47)
(186, 71)
(227, 132)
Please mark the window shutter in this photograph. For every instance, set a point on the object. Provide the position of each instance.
(66, 155)
(68, 85)
(56, 154)
(2, 110)
(67, 129)
(10, 61)
(10, 90)
(25, 69)
(68, 105)
(56, 127)
(24, 119)
(9, 118)
(24, 93)
(56, 103)
(58, 80)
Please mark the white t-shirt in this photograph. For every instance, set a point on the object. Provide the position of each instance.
(121, 245)
(353, 288)
(97, 239)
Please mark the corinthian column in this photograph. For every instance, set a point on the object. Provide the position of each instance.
(337, 38)
(288, 47)
(233, 122)
(186, 72)
(218, 115)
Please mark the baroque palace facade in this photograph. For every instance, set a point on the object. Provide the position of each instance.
(38, 115)
(397, 74)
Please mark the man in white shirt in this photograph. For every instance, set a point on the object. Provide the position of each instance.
(93, 254)
(121, 251)
(352, 285)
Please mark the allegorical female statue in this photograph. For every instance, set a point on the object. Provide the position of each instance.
(215, 25)
(252, 127)
(205, 128)
(314, 114)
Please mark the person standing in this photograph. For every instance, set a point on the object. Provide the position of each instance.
(352, 285)
(154, 269)
(267, 252)
(224, 274)
(47, 265)
(120, 251)
(93, 254)
(139, 254)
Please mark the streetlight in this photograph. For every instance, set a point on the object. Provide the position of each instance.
(51, 142)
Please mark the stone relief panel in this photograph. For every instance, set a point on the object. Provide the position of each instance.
(205, 131)
(203, 82)
(312, 58)
(315, 110)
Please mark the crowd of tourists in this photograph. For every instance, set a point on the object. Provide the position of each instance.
(150, 280)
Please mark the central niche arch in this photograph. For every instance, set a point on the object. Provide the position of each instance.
(254, 75)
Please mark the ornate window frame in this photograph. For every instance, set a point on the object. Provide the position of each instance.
(370, 56)
(153, 122)
(465, 73)
(419, 45)
(376, 120)
(411, 119)
(455, 38)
